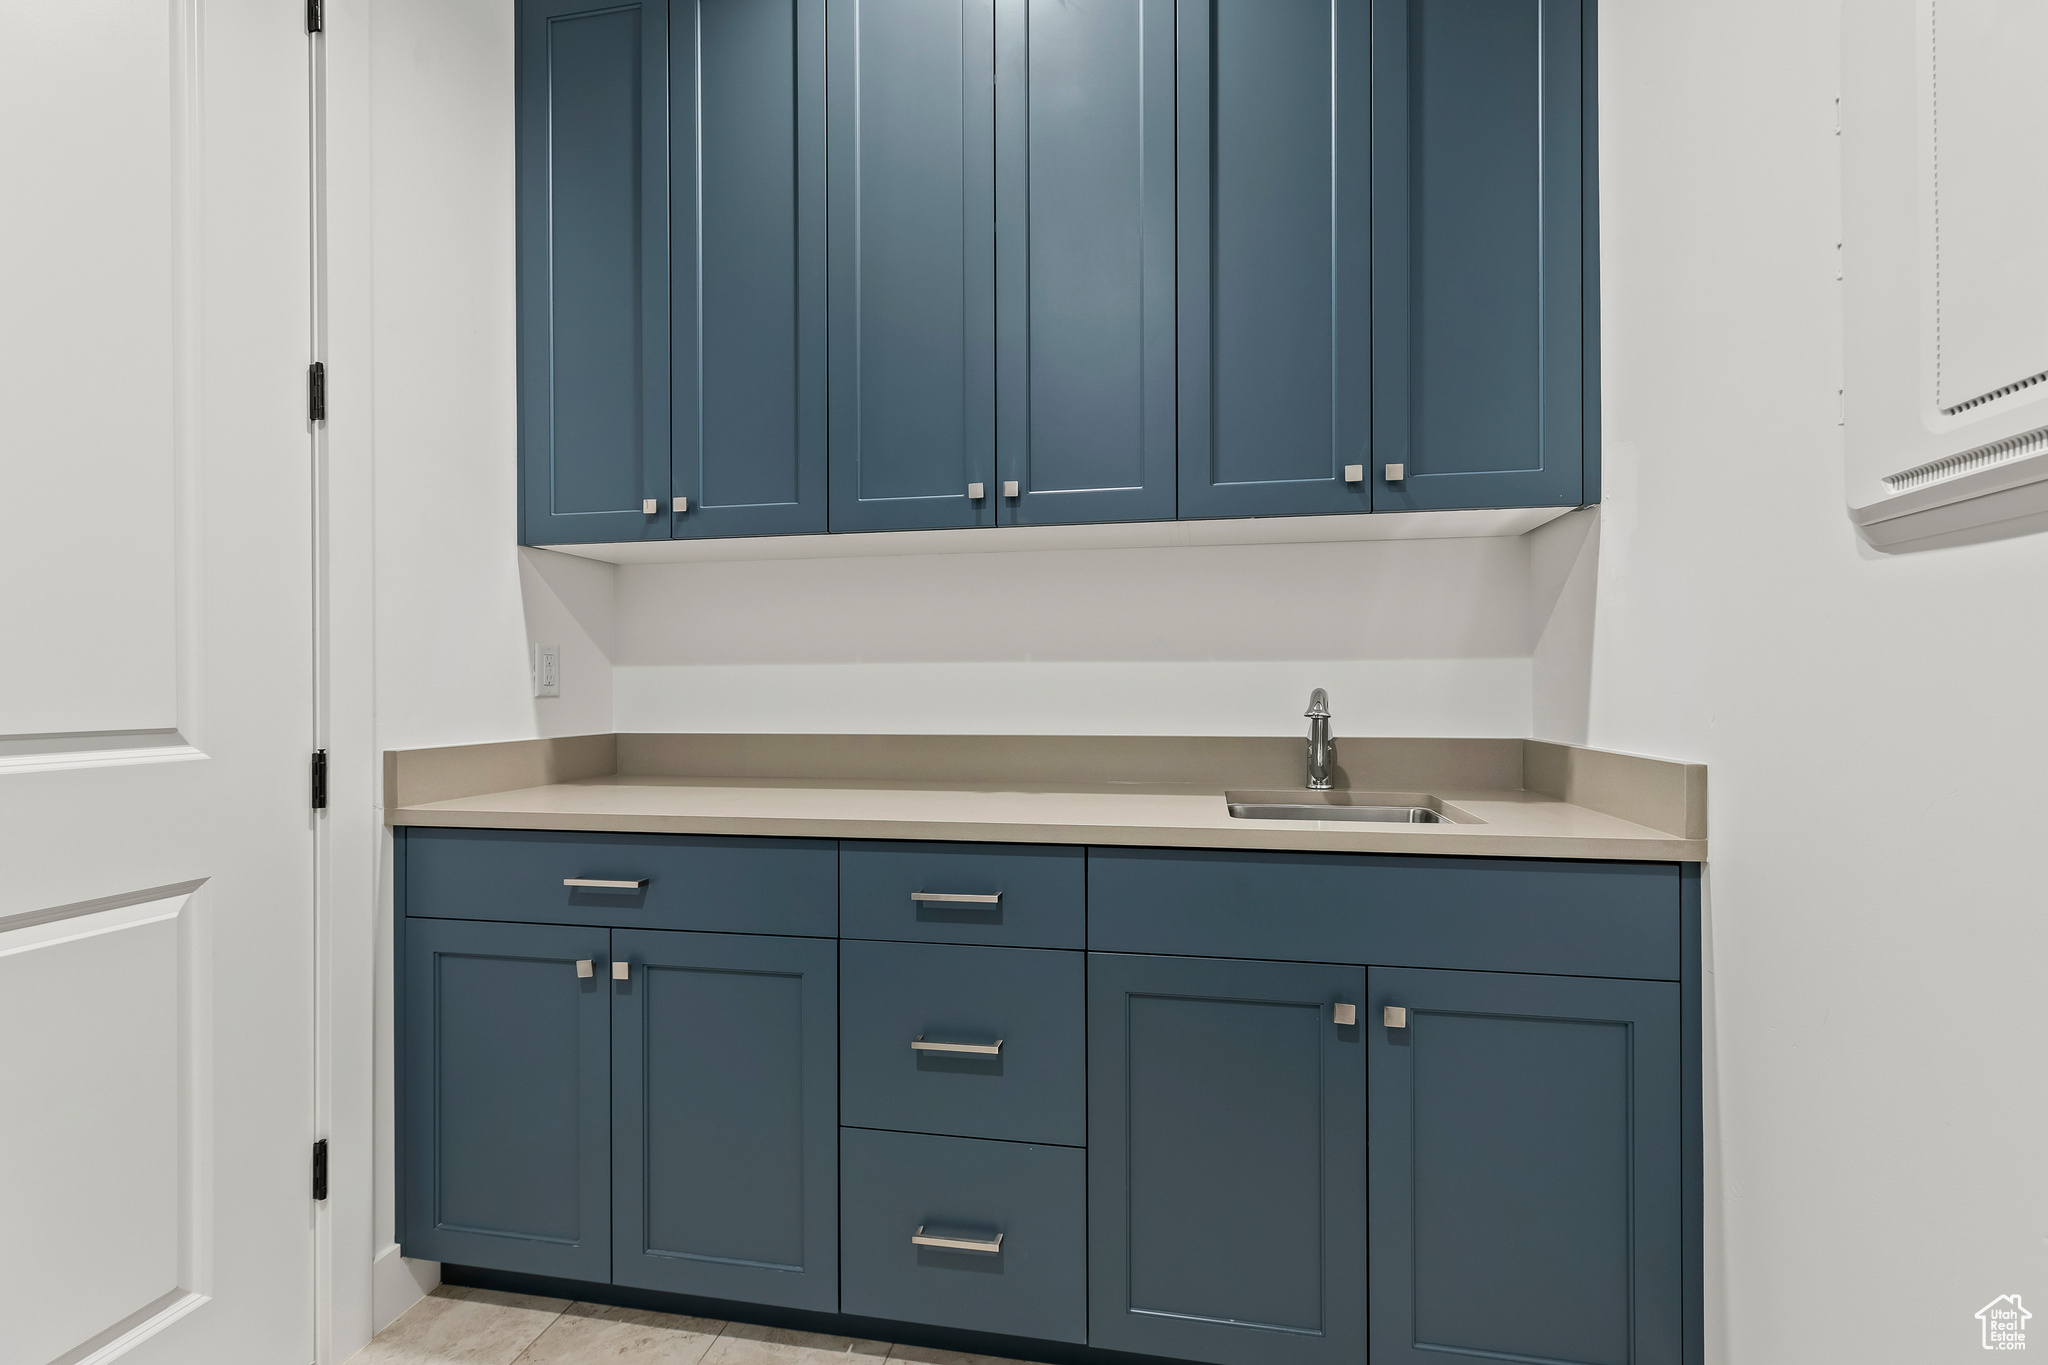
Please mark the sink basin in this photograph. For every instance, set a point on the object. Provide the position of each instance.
(1390, 815)
(1379, 808)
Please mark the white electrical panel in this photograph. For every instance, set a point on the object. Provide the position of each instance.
(1945, 266)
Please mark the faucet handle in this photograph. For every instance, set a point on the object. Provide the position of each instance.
(1318, 705)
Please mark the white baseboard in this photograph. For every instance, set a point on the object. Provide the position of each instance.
(396, 1284)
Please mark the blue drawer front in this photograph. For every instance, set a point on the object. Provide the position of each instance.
(1042, 890)
(731, 885)
(1031, 1000)
(1491, 914)
(893, 1184)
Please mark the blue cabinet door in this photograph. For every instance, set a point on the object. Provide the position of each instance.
(1085, 262)
(747, 121)
(725, 1117)
(1525, 1169)
(912, 253)
(593, 271)
(1275, 256)
(503, 1150)
(1226, 1160)
(1480, 371)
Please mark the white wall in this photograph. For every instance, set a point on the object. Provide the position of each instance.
(1410, 637)
(457, 599)
(420, 100)
(1873, 725)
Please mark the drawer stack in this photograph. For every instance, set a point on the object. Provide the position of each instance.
(963, 1086)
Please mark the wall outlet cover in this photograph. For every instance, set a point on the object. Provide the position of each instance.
(547, 670)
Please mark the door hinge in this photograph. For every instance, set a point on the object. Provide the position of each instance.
(316, 391)
(320, 1170)
(316, 16)
(319, 779)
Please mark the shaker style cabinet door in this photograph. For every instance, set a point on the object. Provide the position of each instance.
(725, 1133)
(1226, 1160)
(593, 271)
(1085, 260)
(747, 197)
(1275, 163)
(503, 1121)
(1525, 1169)
(1479, 352)
(912, 251)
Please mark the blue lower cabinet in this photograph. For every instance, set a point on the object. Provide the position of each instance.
(503, 1124)
(962, 1232)
(976, 1042)
(1226, 1160)
(724, 1117)
(1525, 1169)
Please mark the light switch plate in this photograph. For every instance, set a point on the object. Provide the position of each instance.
(547, 670)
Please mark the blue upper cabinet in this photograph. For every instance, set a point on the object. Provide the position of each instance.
(1479, 313)
(747, 195)
(1085, 260)
(912, 250)
(1275, 151)
(796, 266)
(593, 271)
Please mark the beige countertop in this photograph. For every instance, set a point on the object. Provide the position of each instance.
(1503, 798)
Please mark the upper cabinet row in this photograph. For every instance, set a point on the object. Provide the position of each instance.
(793, 266)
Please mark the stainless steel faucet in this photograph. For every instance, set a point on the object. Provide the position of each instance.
(1322, 750)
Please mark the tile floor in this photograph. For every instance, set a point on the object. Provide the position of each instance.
(457, 1326)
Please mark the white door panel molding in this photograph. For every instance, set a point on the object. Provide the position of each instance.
(95, 369)
(97, 1004)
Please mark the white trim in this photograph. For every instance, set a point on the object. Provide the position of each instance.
(352, 1225)
(397, 1283)
(1481, 523)
(154, 1318)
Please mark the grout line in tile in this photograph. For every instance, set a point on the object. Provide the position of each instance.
(526, 1350)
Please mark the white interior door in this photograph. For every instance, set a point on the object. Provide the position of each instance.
(156, 695)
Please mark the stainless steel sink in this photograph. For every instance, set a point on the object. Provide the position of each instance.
(1367, 807)
(1389, 815)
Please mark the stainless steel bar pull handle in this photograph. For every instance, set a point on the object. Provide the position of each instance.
(585, 967)
(958, 897)
(607, 883)
(924, 1239)
(995, 1049)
